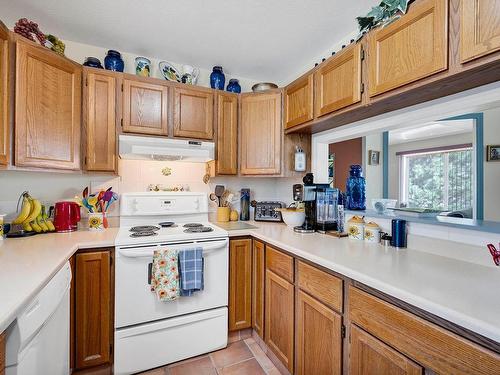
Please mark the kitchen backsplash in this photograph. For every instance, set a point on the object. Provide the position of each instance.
(134, 176)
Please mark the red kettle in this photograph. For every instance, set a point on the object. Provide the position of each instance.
(66, 216)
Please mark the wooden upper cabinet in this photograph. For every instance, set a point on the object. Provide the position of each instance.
(99, 117)
(145, 107)
(367, 356)
(298, 101)
(409, 49)
(4, 95)
(480, 28)
(240, 284)
(227, 134)
(93, 309)
(47, 108)
(319, 338)
(258, 283)
(261, 134)
(193, 113)
(279, 318)
(338, 81)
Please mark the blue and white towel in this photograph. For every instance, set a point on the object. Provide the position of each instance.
(191, 271)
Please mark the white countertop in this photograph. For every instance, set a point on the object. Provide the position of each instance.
(461, 292)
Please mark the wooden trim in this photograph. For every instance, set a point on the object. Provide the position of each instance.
(424, 342)
(5, 94)
(258, 286)
(435, 149)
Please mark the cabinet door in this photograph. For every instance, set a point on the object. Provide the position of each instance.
(480, 28)
(369, 356)
(279, 331)
(48, 108)
(319, 337)
(299, 101)
(145, 107)
(193, 114)
(4, 95)
(100, 121)
(93, 311)
(409, 49)
(258, 282)
(338, 81)
(240, 284)
(261, 134)
(227, 134)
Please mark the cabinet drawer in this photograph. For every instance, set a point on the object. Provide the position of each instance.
(323, 286)
(428, 344)
(280, 263)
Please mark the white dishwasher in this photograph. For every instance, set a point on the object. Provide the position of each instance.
(38, 340)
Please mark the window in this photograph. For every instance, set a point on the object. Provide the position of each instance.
(440, 179)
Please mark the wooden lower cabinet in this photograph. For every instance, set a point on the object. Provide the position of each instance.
(279, 320)
(370, 356)
(258, 286)
(240, 284)
(319, 338)
(93, 308)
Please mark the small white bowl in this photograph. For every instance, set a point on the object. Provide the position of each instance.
(293, 217)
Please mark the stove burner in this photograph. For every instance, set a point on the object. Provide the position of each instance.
(144, 234)
(166, 224)
(192, 225)
(144, 228)
(201, 229)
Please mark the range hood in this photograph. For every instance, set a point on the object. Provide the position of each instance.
(165, 149)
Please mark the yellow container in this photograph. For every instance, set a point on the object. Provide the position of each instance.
(223, 214)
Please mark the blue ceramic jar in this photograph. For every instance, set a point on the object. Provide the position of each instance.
(356, 189)
(93, 63)
(113, 61)
(233, 86)
(217, 78)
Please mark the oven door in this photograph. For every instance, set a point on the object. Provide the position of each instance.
(134, 301)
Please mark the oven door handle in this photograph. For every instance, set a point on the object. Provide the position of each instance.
(131, 253)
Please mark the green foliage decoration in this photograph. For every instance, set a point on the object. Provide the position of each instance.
(382, 15)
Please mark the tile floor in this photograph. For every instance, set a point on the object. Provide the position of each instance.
(244, 357)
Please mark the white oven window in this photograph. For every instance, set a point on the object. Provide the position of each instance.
(441, 180)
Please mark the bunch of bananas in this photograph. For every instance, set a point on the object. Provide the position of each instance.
(33, 216)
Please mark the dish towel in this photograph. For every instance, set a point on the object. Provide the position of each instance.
(191, 271)
(165, 275)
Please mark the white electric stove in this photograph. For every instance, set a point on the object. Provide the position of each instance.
(150, 333)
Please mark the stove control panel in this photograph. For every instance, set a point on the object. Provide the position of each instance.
(266, 211)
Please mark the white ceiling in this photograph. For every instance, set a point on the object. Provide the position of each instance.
(257, 39)
(431, 130)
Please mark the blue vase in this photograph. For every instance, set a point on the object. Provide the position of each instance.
(233, 86)
(217, 78)
(356, 189)
(113, 61)
(93, 63)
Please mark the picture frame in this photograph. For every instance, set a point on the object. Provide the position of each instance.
(374, 157)
(493, 153)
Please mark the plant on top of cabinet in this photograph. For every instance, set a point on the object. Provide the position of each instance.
(409, 49)
(193, 113)
(479, 28)
(4, 95)
(145, 107)
(47, 108)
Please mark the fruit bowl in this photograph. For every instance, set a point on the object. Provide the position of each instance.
(293, 217)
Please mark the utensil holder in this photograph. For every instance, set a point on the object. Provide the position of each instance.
(223, 214)
(95, 221)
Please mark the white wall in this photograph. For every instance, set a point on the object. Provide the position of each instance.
(373, 173)
(491, 169)
(79, 51)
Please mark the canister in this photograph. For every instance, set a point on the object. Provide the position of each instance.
(398, 233)
(372, 232)
(355, 228)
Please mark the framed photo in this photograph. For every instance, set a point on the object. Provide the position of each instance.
(374, 157)
(493, 153)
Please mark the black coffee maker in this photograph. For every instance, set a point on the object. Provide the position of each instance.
(307, 194)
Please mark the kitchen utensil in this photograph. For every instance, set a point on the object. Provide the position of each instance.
(213, 197)
(92, 201)
(229, 199)
(219, 190)
(263, 86)
(85, 192)
(104, 218)
(169, 72)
